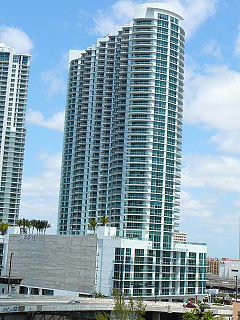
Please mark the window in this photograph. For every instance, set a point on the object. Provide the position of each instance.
(163, 16)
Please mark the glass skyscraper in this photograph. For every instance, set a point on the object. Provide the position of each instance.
(14, 74)
(123, 140)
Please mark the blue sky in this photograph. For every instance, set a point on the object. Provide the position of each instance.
(210, 202)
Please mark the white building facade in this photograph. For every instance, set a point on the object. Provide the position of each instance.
(133, 266)
(14, 74)
(122, 151)
(228, 268)
(97, 263)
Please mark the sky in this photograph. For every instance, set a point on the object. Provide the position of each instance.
(210, 198)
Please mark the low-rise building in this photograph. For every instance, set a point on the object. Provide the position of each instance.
(229, 268)
(76, 265)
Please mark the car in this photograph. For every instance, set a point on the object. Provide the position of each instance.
(190, 305)
(73, 302)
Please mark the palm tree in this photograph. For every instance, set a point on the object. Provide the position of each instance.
(24, 224)
(3, 228)
(38, 226)
(28, 225)
(19, 224)
(104, 220)
(92, 224)
(46, 225)
(33, 224)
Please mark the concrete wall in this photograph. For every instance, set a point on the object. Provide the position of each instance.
(50, 261)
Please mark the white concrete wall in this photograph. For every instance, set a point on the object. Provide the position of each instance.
(147, 10)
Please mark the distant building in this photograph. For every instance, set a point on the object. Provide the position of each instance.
(14, 73)
(213, 265)
(180, 237)
(73, 265)
(229, 268)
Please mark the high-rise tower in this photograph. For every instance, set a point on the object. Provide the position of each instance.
(122, 153)
(14, 73)
(122, 141)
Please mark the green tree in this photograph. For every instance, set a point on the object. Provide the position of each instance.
(198, 313)
(33, 224)
(189, 316)
(28, 225)
(24, 225)
(92, 224)
(104, 220)
(46, 226)
(208, 316)
(20, 224)
(3, 228)
(124, 309)
(103, 316)
(38, 226)
(98, 295)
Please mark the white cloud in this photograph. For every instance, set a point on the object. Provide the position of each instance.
(56, 122)
(212, 49)
(110, 20)
(212, 99)
(193, 207)
(55, 78)
(189, 180)
(227, 141)
(41, 185)
(195, 14)
(16, 38)
(40, 192)
(221, 173)
(51, 161)
(207, 219)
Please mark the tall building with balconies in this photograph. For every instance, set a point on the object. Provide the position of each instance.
(123, 142)
(14, 74)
